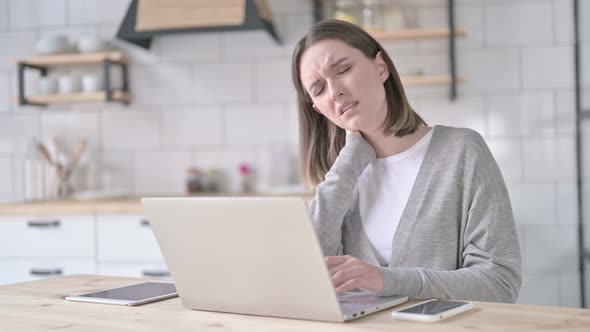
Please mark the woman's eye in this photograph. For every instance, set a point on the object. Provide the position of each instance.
(319, 92)
(344, 70)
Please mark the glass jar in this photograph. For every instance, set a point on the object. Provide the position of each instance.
(347, 10)
(393, 18)
(372, 15)
(194, 181)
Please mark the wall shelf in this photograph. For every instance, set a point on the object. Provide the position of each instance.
(74, 58)
(425, 80)
(98, 96)
(421, 33)
(451, 32)
(42, 63)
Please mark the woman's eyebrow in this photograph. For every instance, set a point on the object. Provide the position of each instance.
(335, 64)
(338, 62)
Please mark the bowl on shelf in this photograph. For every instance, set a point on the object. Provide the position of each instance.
(88, 44)
(52, 44)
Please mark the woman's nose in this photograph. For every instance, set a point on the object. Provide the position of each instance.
(336, 91)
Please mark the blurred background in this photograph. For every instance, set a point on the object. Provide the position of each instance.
(212, 109)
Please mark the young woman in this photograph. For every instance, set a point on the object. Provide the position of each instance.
(400, 207)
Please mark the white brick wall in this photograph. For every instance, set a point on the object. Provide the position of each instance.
(506, 25)
(490, 69)
(15, 45)
(188, 48)
(257, 124)
(160, 172)
(93, 12)
(200, 126)
(130, 130)
(5, 93)
(521, 114)
(3, 15)
(556, 63)
(227, 82)
(163, 84)
(219, 99)
(36, 14)
(72, 127)
(6, 177)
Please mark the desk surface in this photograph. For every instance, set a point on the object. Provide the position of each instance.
(39, 306)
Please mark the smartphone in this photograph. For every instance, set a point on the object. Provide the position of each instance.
(131, 295)
(432, 310)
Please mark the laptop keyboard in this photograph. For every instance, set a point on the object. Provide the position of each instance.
(353, 301)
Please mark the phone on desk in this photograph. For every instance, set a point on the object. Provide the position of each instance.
(432, 310)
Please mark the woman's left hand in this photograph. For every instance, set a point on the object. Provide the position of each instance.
(348, 272)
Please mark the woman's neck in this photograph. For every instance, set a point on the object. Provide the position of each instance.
(387, 146)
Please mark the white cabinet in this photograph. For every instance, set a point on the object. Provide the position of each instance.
(12, 271)
(138, 270)
(35, 248)
(49, 237)
(127, 247)
(127, 237)
(120, 245)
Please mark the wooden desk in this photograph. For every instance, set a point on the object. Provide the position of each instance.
(39, 306)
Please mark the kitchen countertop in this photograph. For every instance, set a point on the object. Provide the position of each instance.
(40, 306)
(115, 205)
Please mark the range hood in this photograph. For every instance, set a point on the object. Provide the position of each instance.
(148, 18)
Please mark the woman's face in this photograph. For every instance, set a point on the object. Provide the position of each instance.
(345, 85)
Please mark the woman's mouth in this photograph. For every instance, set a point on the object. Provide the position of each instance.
(347, 107)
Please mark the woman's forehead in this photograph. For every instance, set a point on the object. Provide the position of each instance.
(324, 52)
(321, 55)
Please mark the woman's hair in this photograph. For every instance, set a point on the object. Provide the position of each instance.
(320, 140)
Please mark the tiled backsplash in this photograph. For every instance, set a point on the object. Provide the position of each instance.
(217, 99)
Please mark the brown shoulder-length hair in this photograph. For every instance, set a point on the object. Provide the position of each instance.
(320, 140)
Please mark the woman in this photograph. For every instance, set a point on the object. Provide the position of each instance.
(400, 207)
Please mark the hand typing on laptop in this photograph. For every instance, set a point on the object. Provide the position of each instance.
(348, 272)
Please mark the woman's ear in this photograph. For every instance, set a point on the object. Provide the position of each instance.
(316, 109)
(382, 66)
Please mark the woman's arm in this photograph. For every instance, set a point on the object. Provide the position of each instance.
(334, 196)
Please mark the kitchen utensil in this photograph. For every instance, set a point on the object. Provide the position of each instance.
(75, 158)
(43, 150)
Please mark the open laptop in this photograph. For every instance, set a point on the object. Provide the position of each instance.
(251, 255)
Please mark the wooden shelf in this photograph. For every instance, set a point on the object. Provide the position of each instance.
(73, 59)
(423, 80)
(421, 33)
(99, 96)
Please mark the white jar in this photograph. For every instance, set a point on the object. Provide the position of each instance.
(47, 85)
(393, 19)
(91, 83)
(69, 84)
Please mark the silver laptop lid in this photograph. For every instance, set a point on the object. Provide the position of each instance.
(256, 256)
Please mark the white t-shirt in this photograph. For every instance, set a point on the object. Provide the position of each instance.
(384, 188)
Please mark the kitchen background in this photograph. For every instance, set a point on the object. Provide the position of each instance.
(223, 98)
